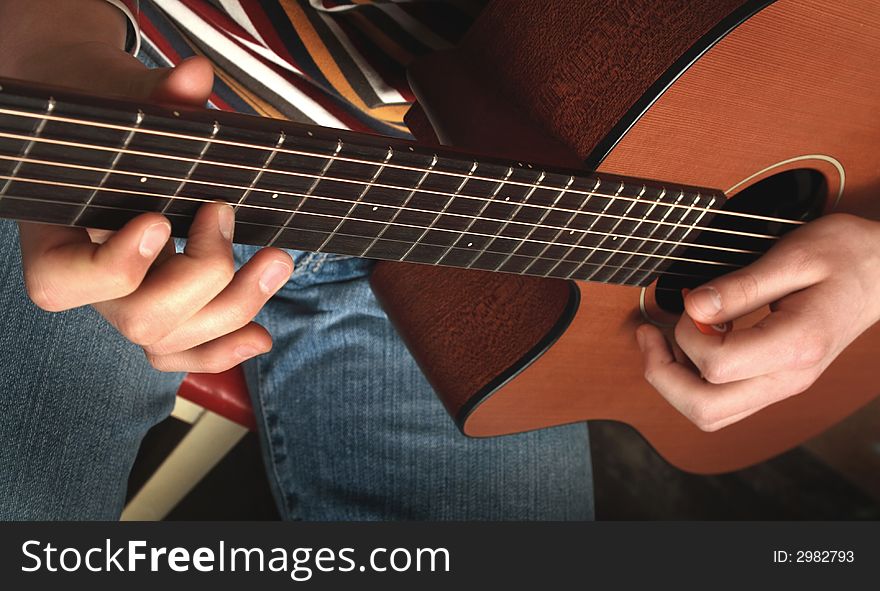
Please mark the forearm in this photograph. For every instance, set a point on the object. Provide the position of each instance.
(30, 30)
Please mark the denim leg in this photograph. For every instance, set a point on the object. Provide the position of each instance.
(352, 431)
(75, 402)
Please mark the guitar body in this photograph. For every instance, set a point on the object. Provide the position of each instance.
(722, 94)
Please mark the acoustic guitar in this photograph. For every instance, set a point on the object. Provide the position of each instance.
(518, 264)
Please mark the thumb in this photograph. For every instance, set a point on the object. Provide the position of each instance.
(772, 277)
(189, 83)
(103, 69)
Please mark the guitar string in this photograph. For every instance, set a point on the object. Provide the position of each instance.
(187, 217)
(438, 214)
(196, 161)
(219, 141)
(197, 200)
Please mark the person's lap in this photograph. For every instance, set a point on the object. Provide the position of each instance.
(349, 427)
(354, 431)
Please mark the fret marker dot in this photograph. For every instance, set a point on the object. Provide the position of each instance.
(376, 208)
(614, 238)
(411, 149)
(470, 244)
(143, 179)
(177, 113)
(311, 134)
(274, 195)
(571, 232)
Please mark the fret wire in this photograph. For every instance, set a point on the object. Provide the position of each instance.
(473, 221)
(656, 246)
(193, 199)
(479, 215)
(515, 213)
(691, 227)
(308, 193)
(359, 199)
(403, 205)
(41, 125)
(587, 232)
(640, 223)
(281, 138)
(192, 169)
(439, 215)
(544, 217)
(314, 184)
(298, 152)
(591, 250)
(605, 238)
(125, 143)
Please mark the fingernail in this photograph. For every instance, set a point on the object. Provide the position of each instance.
(706, 300)
(227, 221)
(154, 239)
(640, 339)
(246, 351)
(274, 276)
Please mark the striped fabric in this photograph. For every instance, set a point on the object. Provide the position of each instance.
(331, 62)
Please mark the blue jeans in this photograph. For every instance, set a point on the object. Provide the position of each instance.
(350, 429)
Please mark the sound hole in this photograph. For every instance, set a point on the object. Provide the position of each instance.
(798, 194)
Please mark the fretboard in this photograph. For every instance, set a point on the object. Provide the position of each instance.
(75, 160)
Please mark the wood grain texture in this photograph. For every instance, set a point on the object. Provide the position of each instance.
(577, 67)
(447, 328)
(767, 93)
(796, 81)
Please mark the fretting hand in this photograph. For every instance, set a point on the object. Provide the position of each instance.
(189, 311)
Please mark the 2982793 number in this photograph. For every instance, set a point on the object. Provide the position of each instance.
(824, 556)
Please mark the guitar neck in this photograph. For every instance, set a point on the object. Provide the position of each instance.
(76, 160)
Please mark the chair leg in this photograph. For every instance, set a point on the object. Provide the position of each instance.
(207, 442)
(186, 411)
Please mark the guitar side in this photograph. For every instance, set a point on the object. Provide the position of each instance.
(767, 97)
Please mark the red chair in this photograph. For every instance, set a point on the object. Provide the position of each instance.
(218, 407)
